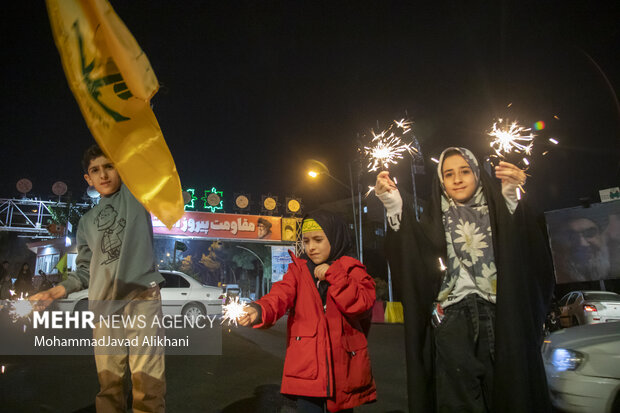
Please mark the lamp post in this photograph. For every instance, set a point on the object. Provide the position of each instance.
(262, 264)
(318, 168)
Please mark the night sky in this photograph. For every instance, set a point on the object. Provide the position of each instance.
(250, 90)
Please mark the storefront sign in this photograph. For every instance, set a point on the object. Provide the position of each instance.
(223, 226)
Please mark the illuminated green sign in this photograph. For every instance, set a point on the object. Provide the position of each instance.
(213, 200)
(190, 203)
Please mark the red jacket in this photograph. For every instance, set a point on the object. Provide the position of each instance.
(327, 350)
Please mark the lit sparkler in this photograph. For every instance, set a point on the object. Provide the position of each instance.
(442, 267)
(511, 138)
(20, 309)
(233, 311)
(387, 147)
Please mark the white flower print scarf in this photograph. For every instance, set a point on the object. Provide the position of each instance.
(468, 235)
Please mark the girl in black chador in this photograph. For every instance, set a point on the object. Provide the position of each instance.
(475, 279)
(23, 284)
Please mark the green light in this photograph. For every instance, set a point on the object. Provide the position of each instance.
(190, 204)
(213, 200)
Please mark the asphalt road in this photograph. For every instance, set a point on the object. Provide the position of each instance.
(245, 379)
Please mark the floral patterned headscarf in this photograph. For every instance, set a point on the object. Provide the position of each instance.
(468, 234)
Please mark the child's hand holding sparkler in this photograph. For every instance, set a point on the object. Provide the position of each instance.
(510, 174)
(42, 300)
(388, 194)
(384, 183)
(249, 317)
(512, 179)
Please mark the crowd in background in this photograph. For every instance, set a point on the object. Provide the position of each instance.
(24, 281)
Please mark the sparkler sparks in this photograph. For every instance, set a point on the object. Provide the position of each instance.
(511, 138)
(442, 267)
(20, 309)
(387, 147)
(233, 311)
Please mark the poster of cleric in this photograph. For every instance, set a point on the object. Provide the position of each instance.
(585, 242)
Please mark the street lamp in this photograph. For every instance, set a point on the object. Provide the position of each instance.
(261, 263)
(317, 168)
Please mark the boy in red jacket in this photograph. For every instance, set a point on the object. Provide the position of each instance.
(329, 295)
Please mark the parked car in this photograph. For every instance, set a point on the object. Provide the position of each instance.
(589, 307)
(180, 294)
(229, 292)
(583, 368)
(245, 300)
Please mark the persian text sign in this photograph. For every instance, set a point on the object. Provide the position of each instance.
(223, 226)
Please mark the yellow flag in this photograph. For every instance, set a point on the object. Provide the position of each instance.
(113, 82)
(62, 266)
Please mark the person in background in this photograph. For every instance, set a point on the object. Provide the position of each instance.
(44, 282)
(23, 284)
(6, 284)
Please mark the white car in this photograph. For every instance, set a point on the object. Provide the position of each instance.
(180, 294)
(589, 307)
(583, 368)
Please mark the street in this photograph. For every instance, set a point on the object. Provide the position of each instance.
(246, 378)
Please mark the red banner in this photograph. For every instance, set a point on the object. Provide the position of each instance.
(222, 226)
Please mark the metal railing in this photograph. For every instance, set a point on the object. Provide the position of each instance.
(30, 216)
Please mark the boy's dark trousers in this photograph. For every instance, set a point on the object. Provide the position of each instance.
(464, 353)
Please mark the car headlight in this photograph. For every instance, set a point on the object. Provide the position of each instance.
(564, 359)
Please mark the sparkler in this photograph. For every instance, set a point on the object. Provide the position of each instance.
(20, 309)
(442, 267)
(387, 147)
(511, 138)
(233, 311)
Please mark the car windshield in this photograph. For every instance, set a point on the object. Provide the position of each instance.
(601, 296)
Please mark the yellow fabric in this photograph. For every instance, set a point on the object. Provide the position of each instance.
(394, 312)
(61, 266)
(112, 81)
(310, 225)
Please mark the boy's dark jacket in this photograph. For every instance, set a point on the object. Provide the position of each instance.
(524, 289)
(327, 351)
